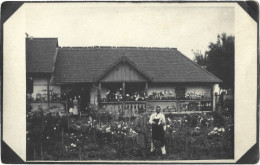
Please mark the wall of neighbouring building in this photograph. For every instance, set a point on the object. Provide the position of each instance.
(40, 86)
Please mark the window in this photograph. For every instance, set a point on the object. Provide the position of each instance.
(180, 93)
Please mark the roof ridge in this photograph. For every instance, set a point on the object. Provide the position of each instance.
(197, 65)
(32, 38)
(117, 47)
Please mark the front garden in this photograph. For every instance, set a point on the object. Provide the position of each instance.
(101, 136)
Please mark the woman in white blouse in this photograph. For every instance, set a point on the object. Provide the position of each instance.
(157, 120)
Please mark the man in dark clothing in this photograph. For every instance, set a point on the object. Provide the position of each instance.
(142, 128)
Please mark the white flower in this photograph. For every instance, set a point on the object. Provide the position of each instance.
(216, 128)
(168, 126)
(108, 129)
(54, 128)
(47, 137)
(223, 129)
(219, 129)
(119, 126)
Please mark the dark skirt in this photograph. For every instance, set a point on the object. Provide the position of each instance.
(158, 133)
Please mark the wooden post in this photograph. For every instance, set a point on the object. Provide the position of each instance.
(123, 105)
(34, 153)
(98, 95)
(222, 147)
(214, 98)
(99, 120)
(186, 142)
(123, 87)
(146, 92)
(48, 93)
(170, 148)
(62, 135)
(41, 151)
(177, 104)
(79, 152)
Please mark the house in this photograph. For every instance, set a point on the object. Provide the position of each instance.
(118, 79)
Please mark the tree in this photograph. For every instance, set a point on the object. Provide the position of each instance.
(200, 59)
(219, 60)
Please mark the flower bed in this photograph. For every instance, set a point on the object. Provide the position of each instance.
(194, 136)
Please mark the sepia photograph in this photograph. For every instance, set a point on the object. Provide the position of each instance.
(129, 81)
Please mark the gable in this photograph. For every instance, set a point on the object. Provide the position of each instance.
(123, 72)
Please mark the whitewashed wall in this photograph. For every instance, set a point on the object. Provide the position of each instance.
(198, 89)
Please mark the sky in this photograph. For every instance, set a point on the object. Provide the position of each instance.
(185, 27)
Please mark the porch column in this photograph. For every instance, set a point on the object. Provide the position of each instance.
(98, 93)
(214, 96)
(146, 92)
(123, 88)
(48, 93)
(146, 88)
(123, 105)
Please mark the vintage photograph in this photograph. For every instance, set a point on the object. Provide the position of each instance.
(129, 81)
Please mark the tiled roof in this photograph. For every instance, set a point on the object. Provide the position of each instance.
(40, 54)
(87, 64)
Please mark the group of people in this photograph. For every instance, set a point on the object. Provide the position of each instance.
(157, 121)
(142, 125)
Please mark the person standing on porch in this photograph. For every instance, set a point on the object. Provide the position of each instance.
(75, 107)
(70, 105)
(157, 120)
(142, 128)
(79, 105)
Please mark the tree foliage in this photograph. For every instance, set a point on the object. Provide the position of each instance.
(219, 60)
